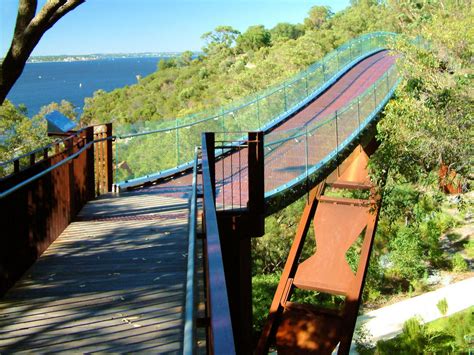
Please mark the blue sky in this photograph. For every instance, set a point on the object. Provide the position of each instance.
(133, 26)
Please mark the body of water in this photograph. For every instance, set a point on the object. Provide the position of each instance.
(43, 83)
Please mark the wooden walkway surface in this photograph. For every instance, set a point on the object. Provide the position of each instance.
(114, 281)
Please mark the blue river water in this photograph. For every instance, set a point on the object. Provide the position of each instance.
(43, 83)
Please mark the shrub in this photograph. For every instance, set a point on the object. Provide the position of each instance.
(442, 306)
(459, 264)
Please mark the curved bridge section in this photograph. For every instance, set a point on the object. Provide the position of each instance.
(300, 149)
(151, 151)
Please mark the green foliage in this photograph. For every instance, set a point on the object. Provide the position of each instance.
(411, 223)
(219, 40)
(429, 120)
(442, 306)
(459, 264)
(444, 336)
(254, 38)
(285, 31)
(263, 289)
(363, 340)
(317, 17)
(406, 254)
(65, 107)
(18, 133)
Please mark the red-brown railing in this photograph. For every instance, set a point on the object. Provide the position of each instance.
(220, 334)
(39, 201)
(232, 195)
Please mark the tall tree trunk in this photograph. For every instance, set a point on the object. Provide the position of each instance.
(29, 29)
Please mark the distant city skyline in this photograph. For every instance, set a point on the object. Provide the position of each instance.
(137, 26)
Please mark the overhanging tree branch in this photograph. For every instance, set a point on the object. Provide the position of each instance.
(29, 28)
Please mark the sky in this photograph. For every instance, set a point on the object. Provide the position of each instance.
(137, 26)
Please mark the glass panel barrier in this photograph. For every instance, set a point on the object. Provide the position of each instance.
(151, 147)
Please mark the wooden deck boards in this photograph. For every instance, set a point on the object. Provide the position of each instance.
(112, 282)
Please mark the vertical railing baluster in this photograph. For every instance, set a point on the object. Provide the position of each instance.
(177, 141)
(358, 113)
(375, 97)
(258, 114)
(306, 84)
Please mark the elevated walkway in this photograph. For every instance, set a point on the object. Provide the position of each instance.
(116, 274)
(113, 281)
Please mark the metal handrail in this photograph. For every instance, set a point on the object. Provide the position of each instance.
(250, 100)
(348, 60)
(189, 341)
(269, 195)
(5, 193)
(222, 337)
(301, 131)
(47, 146)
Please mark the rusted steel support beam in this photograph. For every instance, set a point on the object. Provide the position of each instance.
(276, 307)
(338, 224)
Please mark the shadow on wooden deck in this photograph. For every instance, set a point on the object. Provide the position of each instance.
(113, 281)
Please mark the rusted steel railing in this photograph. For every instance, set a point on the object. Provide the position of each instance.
(39, 201)
(220, 334)
(232, 202)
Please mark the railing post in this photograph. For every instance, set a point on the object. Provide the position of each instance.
(284, 94)
(258, 113)
(177, 141)
(109, 174)
(16, 166)
(256, 183)
(211, 154)
(358, 113)
(32, 159)
(375, 96)
(306, 84)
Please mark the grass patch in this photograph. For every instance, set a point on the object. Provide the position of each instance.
(454, 334)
